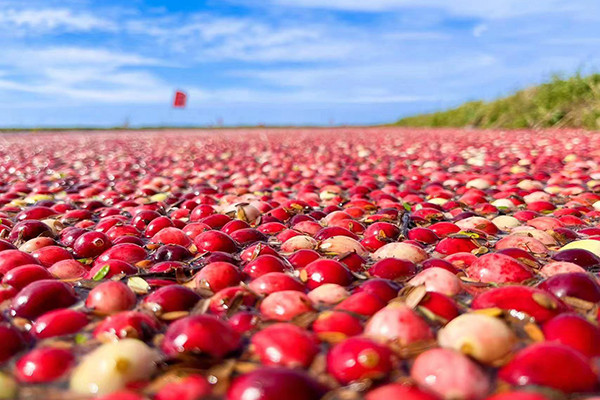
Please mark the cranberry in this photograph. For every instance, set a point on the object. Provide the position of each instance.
(273, 383)
(25, 274)
(537, 303)
(128, 252)
(45, 364)
(49, 255)
(324, 271)
(11, 342)
(499, 268)
(110, 297)
(544, 364)
(275, 282)
(359, 358)
(215, 241)
(581, 257)
(257, 249)
(574, 284)
(392, 268)
(41, 296)
(263, 265)
(29, 229)
(464, 380)
(172, 298)
(127, 324)
(192, 387)
(400, 391)
(398, 323)
(574, 331)
(200, 334)
(58, 322)
(385, 289)
(285, 345)
(10, 259)
(285, 305)
(336, 325)
(91, 244)
(301, 258)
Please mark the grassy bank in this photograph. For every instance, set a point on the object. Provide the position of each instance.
(572, 102)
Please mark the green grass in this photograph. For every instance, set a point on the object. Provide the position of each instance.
(573, 102)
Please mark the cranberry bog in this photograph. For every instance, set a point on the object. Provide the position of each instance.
(299, 264)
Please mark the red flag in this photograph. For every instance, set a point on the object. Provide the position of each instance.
(180, 99)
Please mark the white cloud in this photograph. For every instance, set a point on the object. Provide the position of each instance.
(48, 19)
(86, 74)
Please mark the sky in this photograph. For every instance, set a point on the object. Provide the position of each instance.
(278, 62)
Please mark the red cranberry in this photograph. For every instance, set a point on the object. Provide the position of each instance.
(127, 252)
(400, 391)
(255, 250)
(274, 383)
(324, 271)
(172, 235)
(200, 334)
(41, 296)
(275, 282)
(172, 298)
(217, 276)
(581, 257)
(29, 229)
(451, 245)
(193, 387)
(301, 258)
(243, 321)
(45, 364)
(25, 274)
(127, 324)
(359, 358)
(156, 225)
(10, 259)
(440, 304)
(537, 303)
(285, 305)
(499, 268)
(574, 331)
(553, 365)
(59, 322)
(215, 241)
(171, 252)
(285, 345)
(11, 342)
(385, 289)
(383, 230)
(362, 303)
(234, 225)
(110, 297)
(49, 255)
(263, 265)
(392, 268)
(573, 284)
(337, 324)
(91, 244)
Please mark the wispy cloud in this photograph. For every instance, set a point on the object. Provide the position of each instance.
(48, 19)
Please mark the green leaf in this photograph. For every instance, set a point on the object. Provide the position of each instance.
(407, 207)
(80, 338)
(102, 272)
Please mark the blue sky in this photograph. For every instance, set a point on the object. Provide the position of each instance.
(99, 63)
